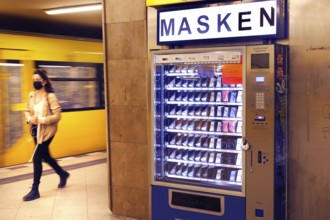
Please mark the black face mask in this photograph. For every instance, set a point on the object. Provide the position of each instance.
(37, 85)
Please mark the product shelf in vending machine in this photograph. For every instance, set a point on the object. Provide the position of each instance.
(198, 119)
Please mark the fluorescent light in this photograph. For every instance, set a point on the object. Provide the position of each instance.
(11, 64)
(74, 9)
(53, 66)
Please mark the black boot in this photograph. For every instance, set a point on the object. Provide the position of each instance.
(63, 178)
(33, 194)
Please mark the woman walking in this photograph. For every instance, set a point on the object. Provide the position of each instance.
(43, 114)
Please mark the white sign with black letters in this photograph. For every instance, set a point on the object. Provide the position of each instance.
(227, 21)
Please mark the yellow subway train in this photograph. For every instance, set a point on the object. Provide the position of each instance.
(75, 68)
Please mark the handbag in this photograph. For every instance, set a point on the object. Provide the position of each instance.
(33, 130)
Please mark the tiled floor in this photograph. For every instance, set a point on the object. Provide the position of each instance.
(84, 197)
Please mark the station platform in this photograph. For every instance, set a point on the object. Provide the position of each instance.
(84, 197)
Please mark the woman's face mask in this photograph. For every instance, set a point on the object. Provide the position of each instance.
(37, 85)
(37, 81)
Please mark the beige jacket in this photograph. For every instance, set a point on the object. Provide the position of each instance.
(51, 112)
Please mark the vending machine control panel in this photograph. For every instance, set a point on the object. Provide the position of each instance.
(265, 131)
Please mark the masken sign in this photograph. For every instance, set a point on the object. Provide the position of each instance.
(256, 19)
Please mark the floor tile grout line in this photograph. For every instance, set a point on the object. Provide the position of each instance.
(17, 211)
(52, 214)
(50, 171)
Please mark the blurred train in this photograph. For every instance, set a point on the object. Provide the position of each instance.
(75, 68)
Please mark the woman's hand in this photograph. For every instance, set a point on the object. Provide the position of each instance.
(34, 120)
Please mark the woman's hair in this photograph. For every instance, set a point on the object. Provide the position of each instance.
(43, 74)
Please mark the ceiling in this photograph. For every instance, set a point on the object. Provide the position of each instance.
(28, 16)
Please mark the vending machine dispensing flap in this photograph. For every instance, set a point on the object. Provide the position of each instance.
(197, 202)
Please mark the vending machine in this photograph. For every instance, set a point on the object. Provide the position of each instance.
(219, 123)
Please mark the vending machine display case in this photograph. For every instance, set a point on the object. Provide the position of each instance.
(219, 114)
(219, 133)
(198, 111)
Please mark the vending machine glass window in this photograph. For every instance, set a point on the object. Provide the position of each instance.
(198, 111)
(11, 73)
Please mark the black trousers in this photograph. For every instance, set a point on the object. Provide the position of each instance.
(42, 153)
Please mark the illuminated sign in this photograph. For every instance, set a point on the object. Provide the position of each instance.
(254, 19)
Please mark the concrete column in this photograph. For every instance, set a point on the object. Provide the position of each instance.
(309, 112)
(126, 78)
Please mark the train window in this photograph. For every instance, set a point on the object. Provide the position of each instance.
(11, 116)
(78, 86)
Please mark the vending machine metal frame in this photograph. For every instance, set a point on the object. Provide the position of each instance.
(210, 195)
(264, 143)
